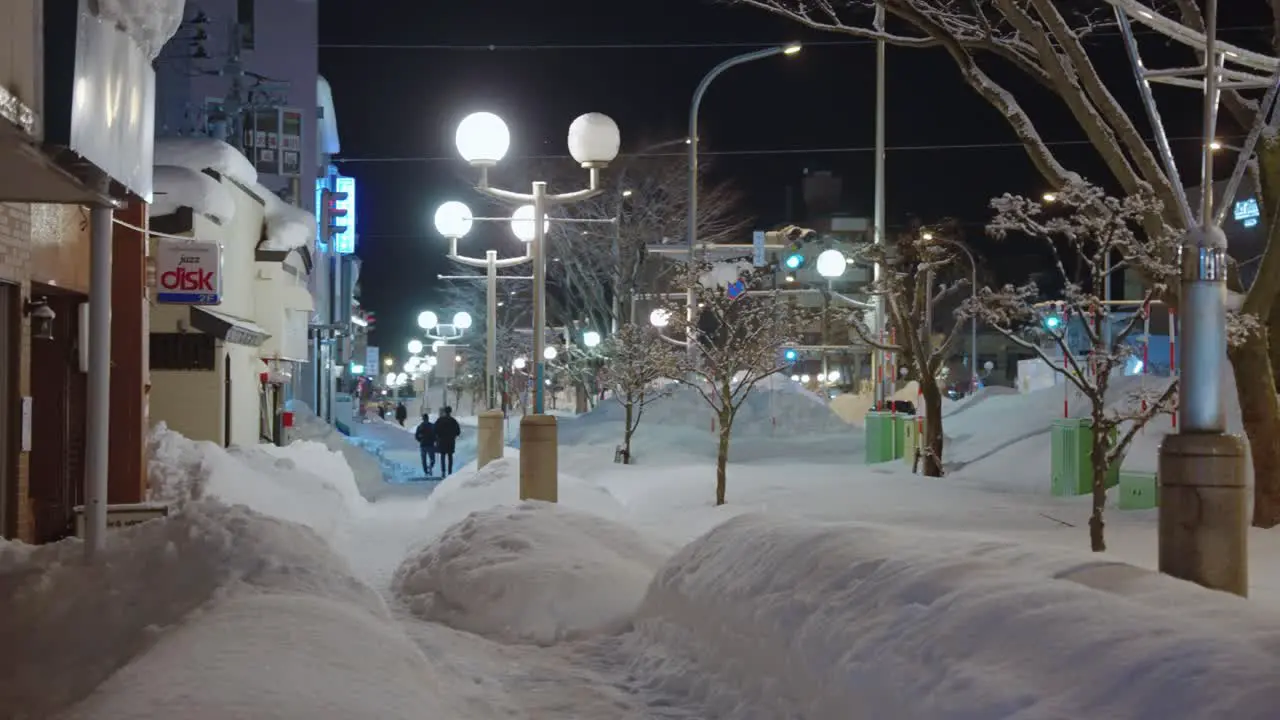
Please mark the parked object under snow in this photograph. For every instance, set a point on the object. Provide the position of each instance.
(288, 227)
(202, 153)
(178, 187)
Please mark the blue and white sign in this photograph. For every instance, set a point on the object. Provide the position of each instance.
(757, 248)
(344, 243)
(736, 289)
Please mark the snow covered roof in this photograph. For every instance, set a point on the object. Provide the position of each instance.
(202, 153)
(327, 136)
(150, 23)
(288, 227)
(176, 187)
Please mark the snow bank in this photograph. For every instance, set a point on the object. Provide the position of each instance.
(365, 466)
(67, 626)
(288, 227)
(498, 484)
(201, 153)
(780, 409)
(790, 619)
(304, 483)
(277, 656)
(150, 23)
(537, 573)
(178, 187)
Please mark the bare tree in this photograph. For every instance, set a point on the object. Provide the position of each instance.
(739, 338)
(912, 283)
(637, 362)
(1047, 41)
(1085, 225)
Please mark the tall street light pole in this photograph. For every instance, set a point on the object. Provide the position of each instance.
(973, 294)
(483, 139)
(694, 107)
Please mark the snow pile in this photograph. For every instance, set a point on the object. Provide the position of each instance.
(498, 484)
(788, 619)
(288, 227)
(365, 466)
(177, 187)
(304, 483)
(536, 573)
(66, 626)
(785, 410)
(725, 273)
(853, 409)
(149, 23)
(202, 153)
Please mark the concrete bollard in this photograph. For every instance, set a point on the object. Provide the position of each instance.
(489, 438)
(539, 460)
(1204, 511)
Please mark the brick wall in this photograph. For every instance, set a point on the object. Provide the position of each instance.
(15, 267)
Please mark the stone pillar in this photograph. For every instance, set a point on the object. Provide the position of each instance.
(489, 439)
(539, 463)
(1204, 511)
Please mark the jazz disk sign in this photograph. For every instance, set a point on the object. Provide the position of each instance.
(188, 272)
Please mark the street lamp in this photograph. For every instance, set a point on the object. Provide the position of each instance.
(415, 346)
(831, 265)
(462, 320)
(550, 353)
(591, 339)
(428, 320)
(694, 107)
(973, 320)
(519, 363)
(483, 140)
(453, 220)
(660, 318)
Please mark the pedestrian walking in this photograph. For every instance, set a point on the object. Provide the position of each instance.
(447, 431)
(402, 413)
(425, 434)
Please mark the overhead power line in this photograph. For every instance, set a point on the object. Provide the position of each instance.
(526, 47)
(765, 152)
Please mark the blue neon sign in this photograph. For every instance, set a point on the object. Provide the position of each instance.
(1246, 209)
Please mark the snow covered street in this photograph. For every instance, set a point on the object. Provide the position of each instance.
(298, 582)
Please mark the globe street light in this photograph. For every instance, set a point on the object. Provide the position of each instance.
(660, 318)
(415, 346)
(591, 338)
(453, 220)
(462, 320)
(550, 353)
(831, 264)
(428, 320)
(519, 363)
(593, 139)
(522, 223)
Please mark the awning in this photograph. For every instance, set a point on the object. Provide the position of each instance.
(28, 175)
(227, 328)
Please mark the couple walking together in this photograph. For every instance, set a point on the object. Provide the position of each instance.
(438, 438)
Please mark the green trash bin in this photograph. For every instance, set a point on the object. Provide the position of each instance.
(911, 439)
(1071, 458)
(1139, 490)
(885, 436)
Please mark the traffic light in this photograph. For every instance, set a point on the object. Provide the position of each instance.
(790, 355)
(794, 260)
(1052, 317)
(333, 215)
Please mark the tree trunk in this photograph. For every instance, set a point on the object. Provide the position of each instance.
(1256, 392)
(931, 443)
(628, 431)
(580, 399)
(722, 459)
(1100, 440)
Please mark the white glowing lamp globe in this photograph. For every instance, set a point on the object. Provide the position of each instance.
(401, 378)
(594, 140)
(795, 378)
(550, 353)
(659, 318)
(519, 363)
(522, 223)
(410, 366)
(432, 360)
(415, 347)
(427, 320)
(435, 346)
(834, 376)
(591, 338)
(804, 378)
(462, 320)
(831, 263)
(482, 139)
(453, 219)
(390, 379)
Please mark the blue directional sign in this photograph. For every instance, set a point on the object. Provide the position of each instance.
(736, 289)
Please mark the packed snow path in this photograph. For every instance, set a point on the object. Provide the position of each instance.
(488, 679)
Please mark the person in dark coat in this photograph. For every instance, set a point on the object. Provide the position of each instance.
(402, 413)
(425, 434)
(447, 432)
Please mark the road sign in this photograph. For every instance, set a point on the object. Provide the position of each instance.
(757, 247)
(736, 289)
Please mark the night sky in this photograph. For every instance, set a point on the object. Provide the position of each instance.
(403, 75)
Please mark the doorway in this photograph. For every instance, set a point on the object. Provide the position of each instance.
(11, 402)
(226, 400)
(58, 393)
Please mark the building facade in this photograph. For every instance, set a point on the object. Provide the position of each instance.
(75, 173)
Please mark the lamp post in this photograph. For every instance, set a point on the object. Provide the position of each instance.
(483, 139)
(973, 294)
(694, 107)
(831, 264)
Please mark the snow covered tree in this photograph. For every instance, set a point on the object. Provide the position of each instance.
(637, 360)
(1049, 42)
(1084, 227)
(914, 279)
(738, 340)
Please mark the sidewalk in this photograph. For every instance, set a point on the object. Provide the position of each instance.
(398, 451)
